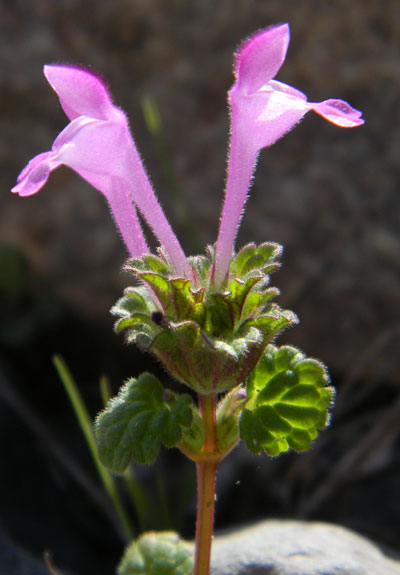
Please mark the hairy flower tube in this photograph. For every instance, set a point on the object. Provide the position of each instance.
(97, 144)
(262, 111)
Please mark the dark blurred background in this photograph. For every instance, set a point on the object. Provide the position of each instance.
(330, 196)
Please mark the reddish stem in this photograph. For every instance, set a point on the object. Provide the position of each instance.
(206, 472)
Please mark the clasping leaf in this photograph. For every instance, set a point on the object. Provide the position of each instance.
(157, 554)
(138, 420)
(288, 401)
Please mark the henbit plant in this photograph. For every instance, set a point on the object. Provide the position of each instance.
(209, 319)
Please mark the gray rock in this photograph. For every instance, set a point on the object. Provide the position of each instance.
(298, 548)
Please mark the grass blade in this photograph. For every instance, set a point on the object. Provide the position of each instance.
(85, 423)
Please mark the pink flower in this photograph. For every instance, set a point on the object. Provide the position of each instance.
(97, 144)
(262, 111)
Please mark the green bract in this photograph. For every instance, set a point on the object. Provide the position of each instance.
(288, 401)
(209, 340)
(157, 554)
(228, 412)
(138, 421)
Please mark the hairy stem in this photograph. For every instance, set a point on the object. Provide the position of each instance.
(206, 472)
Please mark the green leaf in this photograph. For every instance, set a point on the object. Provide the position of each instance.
(239, 292)
(275, 320)
(135, 300)
(229, 409)
(135, 311)
(276, 386)
(142, 334)
(289, 397)
(270, 324)
(193, 436)
(197, 314)
(287, 356)
(133, 321)
(161, 287)
(137, 421)
(178, 415)
(157, 554)
(183, 299)
(257, 301)
(175, 295)
(156, 264)
(201, 266)
(219, 316)
(253, 431)
(148, 263)
(251, 258)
